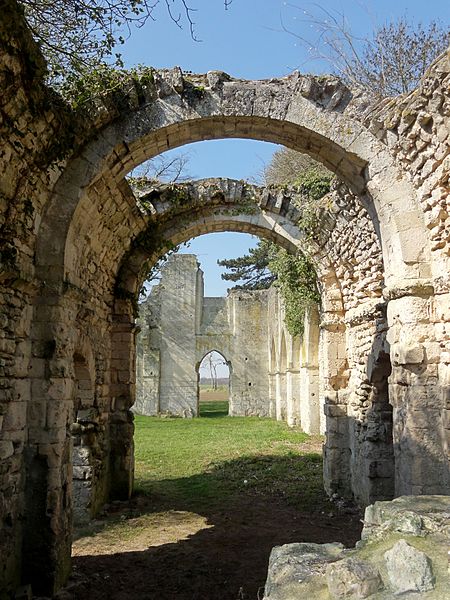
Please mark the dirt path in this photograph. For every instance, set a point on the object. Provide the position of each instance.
(178, 555)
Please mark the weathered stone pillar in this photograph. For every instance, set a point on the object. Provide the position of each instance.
(418, 391)
(290, 400)
(48, 512)
(294, 395)
(334, 377)
(278, 397)
(272, 396)
(122, 394)
(369, 411)
(309, 399)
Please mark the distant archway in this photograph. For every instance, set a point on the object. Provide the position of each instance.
(214, 384)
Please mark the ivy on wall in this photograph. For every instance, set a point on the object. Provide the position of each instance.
(296, 280)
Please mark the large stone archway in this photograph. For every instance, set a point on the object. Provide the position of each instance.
(72, 259)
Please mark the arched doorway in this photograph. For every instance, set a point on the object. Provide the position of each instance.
(214, 385)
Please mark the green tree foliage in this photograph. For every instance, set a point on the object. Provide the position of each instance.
(252, 269)
(78, 35)
(267, 263)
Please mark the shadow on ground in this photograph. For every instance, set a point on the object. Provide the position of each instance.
(227, 560)
(214, 409)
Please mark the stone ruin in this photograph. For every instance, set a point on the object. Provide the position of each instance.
(77, 242)
(271, 373)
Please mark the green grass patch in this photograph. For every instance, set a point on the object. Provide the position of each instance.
(189, 463)
(214, 409)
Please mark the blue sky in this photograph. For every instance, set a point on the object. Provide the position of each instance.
(248, 41)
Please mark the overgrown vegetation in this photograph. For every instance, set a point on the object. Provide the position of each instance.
(267, 263)
(296, 280)
(192, 463)
(79, 37)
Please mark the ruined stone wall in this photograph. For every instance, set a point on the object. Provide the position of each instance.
(416, 129)
(179, 326)
(242, 327)
(75, 244)
(249, 383)
(294, 368)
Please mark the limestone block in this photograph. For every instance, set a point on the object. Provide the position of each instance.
(440, 308)
(408, 353)
(81, 456)
(87, 415)
(6, 449)
(408, 569)
(408, 309)
(353, 578)
(15, 417)
(295, 570)
(433, 352)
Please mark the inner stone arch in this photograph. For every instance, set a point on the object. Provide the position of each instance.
(300, 112)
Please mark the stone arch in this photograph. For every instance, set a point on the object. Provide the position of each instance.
(283, 353)
(296, 350)
(222, 354)
(322, 123)
(273, 356)
(304, 113)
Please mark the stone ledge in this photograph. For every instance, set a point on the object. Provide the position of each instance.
(412, 531)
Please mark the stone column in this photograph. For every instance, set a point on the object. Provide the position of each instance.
(278, 397)
(418, 391)
(122, 394)
(272, 395)
(290, 407)
(294, 391)
(48, 511)
(334, 375)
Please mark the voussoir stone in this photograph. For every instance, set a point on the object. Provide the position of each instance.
(408, 569)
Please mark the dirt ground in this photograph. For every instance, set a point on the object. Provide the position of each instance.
(176, 555)
(208, 395)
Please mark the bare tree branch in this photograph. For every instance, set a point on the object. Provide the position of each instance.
(389, 62)
(79, 34)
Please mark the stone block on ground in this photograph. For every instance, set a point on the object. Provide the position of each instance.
(296, 570)
(408, 569)
(353, 578)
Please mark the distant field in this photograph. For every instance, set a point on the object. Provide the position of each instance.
(207, 394)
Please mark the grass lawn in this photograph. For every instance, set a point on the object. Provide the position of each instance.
(213, 497)
(192, 462)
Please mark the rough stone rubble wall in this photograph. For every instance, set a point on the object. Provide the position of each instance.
(61, 307)
(416, 129)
